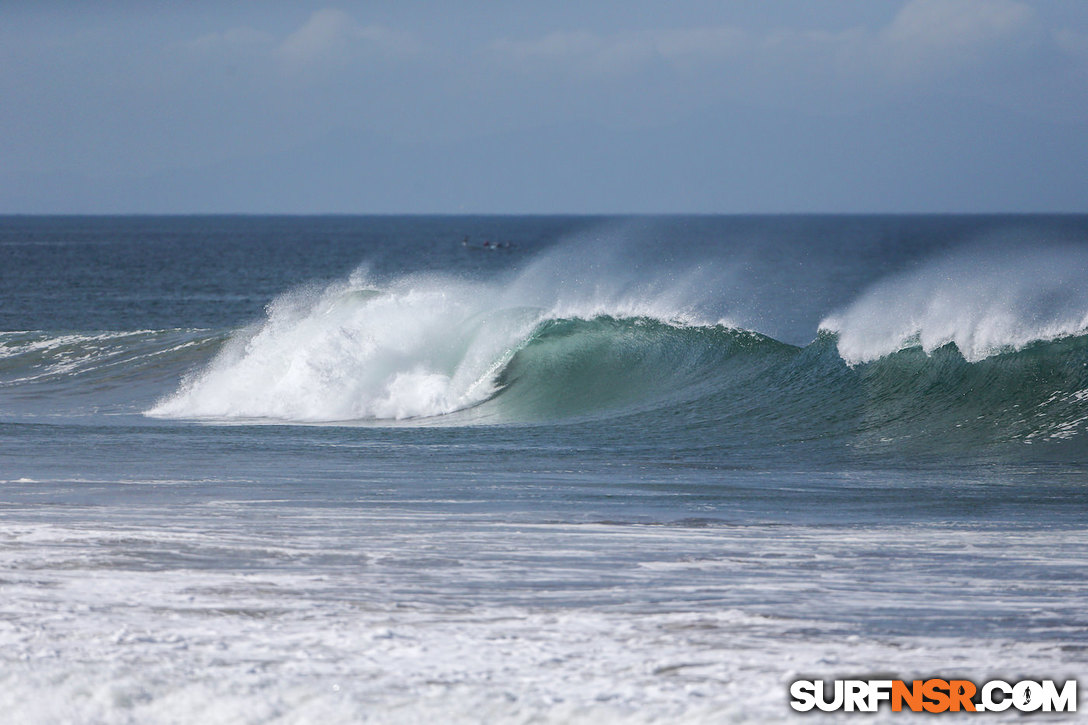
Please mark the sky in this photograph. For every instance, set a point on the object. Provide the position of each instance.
(688, 106)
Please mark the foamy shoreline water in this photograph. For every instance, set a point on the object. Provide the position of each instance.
(251, 612)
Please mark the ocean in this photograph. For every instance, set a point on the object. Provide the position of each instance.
(534, 469)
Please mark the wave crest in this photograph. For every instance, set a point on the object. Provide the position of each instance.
(984, 301)
(418, 347)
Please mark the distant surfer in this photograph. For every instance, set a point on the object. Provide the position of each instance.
(487, 244)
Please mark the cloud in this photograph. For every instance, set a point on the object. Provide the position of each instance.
(331, 35)
(925, 38)
(581, 49)
(937, 36)
(327, 33)
(702, 43)
(329, 38)
(234, 38)
(954, 26)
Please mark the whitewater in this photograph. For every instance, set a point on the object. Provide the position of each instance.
(612, 469)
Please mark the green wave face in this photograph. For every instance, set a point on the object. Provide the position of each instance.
(577, 368)
(1036, 394)
(710, 386)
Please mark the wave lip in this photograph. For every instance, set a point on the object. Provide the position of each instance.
(984, 301)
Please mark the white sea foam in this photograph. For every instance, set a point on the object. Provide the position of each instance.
(354, 616)
(984, 300)
(416, 346)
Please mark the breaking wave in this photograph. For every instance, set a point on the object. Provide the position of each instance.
(432, 350)
(984, 301)
(418, 347)
(974, 348)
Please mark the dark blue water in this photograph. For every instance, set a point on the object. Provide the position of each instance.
(825, 420)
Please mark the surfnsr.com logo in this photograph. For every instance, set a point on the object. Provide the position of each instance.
(934, 695)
